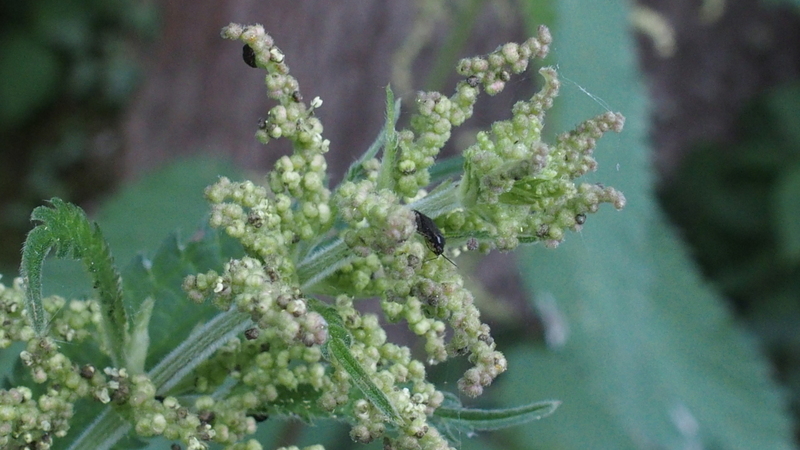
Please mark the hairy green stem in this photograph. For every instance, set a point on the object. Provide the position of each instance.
(103, 433)
(386, 175)
(440, 201)
(197, 348)
(322, 263)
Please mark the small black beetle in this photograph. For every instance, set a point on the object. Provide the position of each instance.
(249, 56)
(433, 236)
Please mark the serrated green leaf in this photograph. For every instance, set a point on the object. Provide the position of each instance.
(652, 359)
(158, 264)
(340, 353)
(65, 229)
(387, 134)
(137, 219)
(160, 276)
(495, 419)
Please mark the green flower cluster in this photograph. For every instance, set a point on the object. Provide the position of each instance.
(29, 420)
(426, 292)
(514, 189)
(389, 366)
(302, 175)
(372, 236)
(12, 313)
(437, 114)
(517, 188)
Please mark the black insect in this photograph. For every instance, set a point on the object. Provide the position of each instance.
(206, 417)
(251, 333)
(259, 416)
(87, 371)
(249, 56)
(433, 236)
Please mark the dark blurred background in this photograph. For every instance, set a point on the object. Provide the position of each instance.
(94, 94)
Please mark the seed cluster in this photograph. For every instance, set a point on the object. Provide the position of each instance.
(300, 176)
(438, 114)
(31, 421)
(517, 188)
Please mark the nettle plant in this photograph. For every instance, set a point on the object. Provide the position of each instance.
(266, 299)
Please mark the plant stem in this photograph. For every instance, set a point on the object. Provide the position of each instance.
(198, 347)
(440, 201)
(103, 433)
(322, 263)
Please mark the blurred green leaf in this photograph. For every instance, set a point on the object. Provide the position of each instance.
(783, 104)
(735, 203)
(28, 78)
(653, 359)
(582, 421)
(472, 419)
(795, 3)
(787, 214)
(138, 218)
(174, 315)
(66, 24)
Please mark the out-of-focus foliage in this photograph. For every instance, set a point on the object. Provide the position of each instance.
(796, 3)
(739, 207)
(652, 358)
(66, 70)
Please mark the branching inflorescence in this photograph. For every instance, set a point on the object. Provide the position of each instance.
(312, 252)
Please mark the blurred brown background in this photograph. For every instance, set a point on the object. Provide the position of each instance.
(199, 95)
(189, 91)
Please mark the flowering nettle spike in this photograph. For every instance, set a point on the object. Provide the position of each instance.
(438, 114)
(300, 178)
(522, 188)
(291, 340)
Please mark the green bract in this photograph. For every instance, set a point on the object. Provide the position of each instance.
(289, 339)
